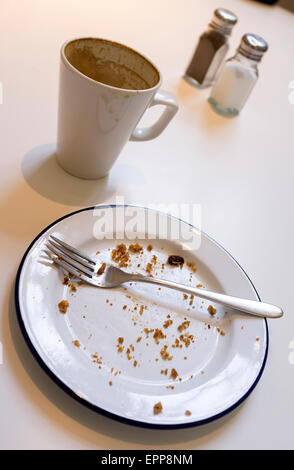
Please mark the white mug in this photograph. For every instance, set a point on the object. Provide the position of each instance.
(105, 88)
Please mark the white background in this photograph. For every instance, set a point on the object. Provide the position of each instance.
(240, 171)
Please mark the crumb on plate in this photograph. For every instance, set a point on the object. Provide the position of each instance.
(211, 310)
(135, 248)
(183, 326)
(149, 268)
(165, 354)
(191, 265)
(63, 306)
(158, 334)
(174, 374)
(157, 408)
(175, 260)
(167, 323)
(101, 269)
(120, 255)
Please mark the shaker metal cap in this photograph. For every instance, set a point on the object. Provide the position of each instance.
(226, 16)
(224, 20)
(253, 46)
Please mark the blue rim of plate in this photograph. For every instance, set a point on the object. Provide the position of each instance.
(96, 408)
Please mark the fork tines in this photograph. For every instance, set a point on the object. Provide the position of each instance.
(74, 261)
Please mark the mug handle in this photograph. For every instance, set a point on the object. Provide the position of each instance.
(171, 107)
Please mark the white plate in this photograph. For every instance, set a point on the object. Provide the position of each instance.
(215, 372)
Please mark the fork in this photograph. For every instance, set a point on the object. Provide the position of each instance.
(84, 267)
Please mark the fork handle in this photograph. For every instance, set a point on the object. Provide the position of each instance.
(253, 307)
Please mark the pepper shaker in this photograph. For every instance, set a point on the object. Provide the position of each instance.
(211, 49)
(238, 76)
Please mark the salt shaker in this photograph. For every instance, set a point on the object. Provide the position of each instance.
(238, 76)
(211, 49)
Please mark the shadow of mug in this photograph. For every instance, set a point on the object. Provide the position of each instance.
(42, 172)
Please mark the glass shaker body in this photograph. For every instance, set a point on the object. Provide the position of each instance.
(211, 49)
(238, 76)
(210, 52)
(234, 85)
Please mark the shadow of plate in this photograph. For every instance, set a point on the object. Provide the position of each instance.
(107, 432)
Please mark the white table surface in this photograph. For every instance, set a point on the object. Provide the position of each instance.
(240, 171)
